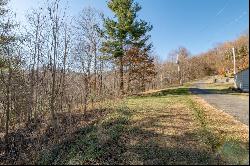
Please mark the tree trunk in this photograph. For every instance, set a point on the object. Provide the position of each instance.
(101, 78)
(52, 101)
(86, 82)
(95, 67)
(8, 93)
(121, 75)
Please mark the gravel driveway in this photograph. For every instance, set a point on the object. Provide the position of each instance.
(234, 105)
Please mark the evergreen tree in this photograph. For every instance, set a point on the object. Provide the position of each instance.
(124, 31)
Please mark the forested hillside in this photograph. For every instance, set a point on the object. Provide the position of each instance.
(216, 61)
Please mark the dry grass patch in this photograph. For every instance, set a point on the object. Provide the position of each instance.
(169, 129)
(223, 123)
(228, 138)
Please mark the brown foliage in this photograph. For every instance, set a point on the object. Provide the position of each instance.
(140, 69)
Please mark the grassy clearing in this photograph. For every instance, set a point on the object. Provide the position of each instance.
(165, 127)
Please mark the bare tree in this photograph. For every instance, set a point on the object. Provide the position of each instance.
(35, 41)
(87, 50)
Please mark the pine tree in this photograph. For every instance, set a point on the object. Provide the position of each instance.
(124, 31)
(3, 11)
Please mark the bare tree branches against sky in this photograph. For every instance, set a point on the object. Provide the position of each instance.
(195, 24)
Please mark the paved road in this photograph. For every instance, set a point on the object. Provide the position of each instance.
(234, 105)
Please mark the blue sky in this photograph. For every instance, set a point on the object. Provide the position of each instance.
(197, 25)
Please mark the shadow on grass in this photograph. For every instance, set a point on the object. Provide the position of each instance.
(116, 140)
(227, 150)
(226, 91)
(217, 91)
(27, 142)
(166, 92)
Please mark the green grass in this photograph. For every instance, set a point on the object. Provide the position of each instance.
(165, 127)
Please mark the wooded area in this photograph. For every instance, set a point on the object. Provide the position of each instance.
(216, 61)
(61, 64)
